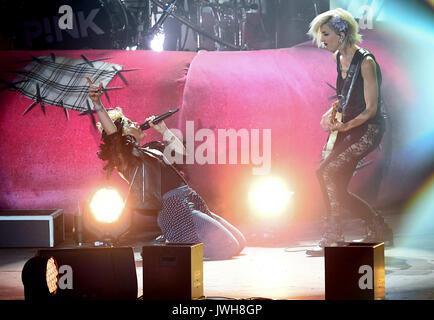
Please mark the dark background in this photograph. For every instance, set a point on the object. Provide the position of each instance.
(27, 24)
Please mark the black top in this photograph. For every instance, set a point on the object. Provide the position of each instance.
(144, 167)
(170, 176)
(356, 103)
(170, 179)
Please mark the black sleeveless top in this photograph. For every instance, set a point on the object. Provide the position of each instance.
(169, 180)
(356, 103)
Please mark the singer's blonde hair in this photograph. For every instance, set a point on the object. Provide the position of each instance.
(114, 115)
(352, 35)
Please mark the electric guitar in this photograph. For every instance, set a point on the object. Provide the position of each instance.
(331, 140)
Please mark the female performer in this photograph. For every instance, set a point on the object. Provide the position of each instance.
(184, 217)
(359, 132)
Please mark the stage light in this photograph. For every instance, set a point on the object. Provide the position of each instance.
(40, 276)
(157, 43)
(269, 196)
(106, 273)
(52, 275)
(106, 205)
(106, 216)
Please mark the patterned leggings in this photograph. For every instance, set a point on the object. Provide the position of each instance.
(335, 172)
(185, 218)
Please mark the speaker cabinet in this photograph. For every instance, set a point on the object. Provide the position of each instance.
(95, 273)
(173, 272)
(355, 271)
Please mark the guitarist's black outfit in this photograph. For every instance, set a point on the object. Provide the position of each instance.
(335, 172)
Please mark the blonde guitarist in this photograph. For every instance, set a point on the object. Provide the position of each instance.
(356, 126)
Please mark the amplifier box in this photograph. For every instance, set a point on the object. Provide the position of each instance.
(31, 228)
(355, 271)
(173, 271)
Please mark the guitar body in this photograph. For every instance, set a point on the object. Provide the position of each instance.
(333, 135)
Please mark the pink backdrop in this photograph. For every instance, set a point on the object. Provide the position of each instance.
(48, 162)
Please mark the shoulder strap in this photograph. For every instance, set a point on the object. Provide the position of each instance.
(366, 53)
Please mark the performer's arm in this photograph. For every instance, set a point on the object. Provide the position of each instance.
(95, 93)
(370, 84)
(173, 141)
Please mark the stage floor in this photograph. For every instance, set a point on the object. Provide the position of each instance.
(273, 272)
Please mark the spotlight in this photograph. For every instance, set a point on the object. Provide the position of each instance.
(106, 216)
(157, 43)
(94, 273)
(269, 196)
(39, 277)
(106, 205)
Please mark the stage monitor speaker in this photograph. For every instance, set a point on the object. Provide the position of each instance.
(355, 271)
(95, 273)
(173, 272)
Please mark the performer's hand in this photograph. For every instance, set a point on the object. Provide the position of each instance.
(326, 122)
(94, 92)
(339, 126)
(159, 127)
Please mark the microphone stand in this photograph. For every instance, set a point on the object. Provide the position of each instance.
(167, 11)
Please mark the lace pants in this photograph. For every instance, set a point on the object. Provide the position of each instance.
(335, 172)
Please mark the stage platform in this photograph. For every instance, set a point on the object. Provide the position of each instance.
(279, 271)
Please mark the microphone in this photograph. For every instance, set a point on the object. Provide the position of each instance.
(146, 125)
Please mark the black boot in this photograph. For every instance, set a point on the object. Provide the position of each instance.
(332, 237)
(377, 230)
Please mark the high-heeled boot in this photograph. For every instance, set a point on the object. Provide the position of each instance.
(332, 236)
(377, 230)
